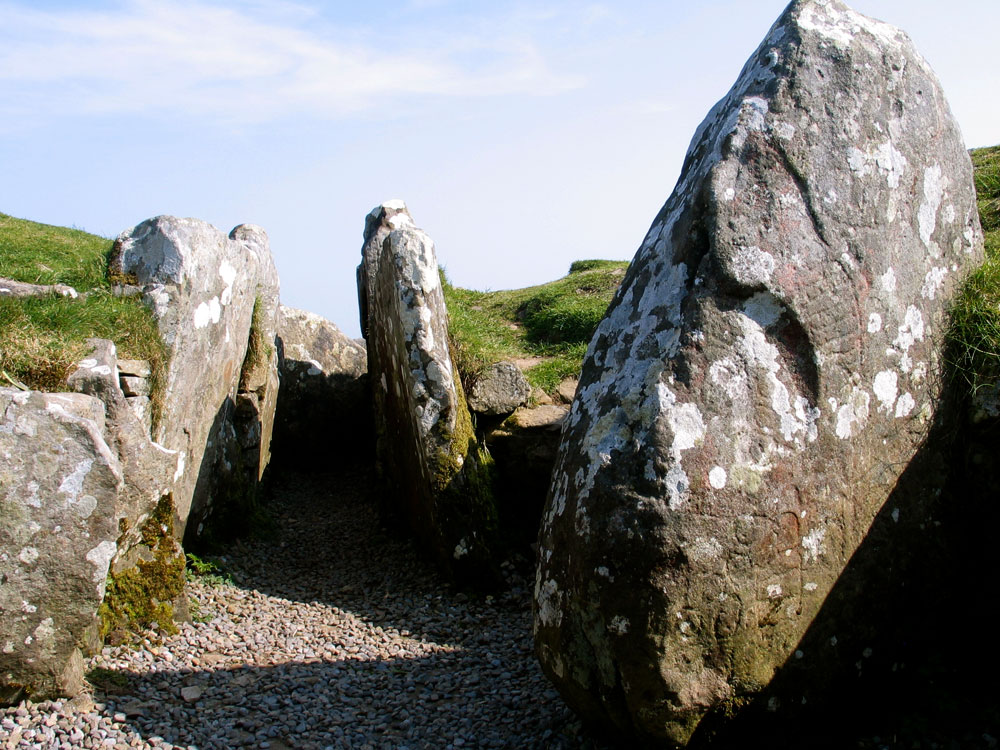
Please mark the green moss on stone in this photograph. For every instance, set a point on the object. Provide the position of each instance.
(142, 595)
(462, 482)
(259, 350)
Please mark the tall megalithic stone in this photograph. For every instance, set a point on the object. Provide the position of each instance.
(433, 476)
(756, 395)
(215, 299)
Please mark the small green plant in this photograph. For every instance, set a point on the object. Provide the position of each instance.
(207, 570)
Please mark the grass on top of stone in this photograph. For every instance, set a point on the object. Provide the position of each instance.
(974, 334)
(550, 324)
(42, 338)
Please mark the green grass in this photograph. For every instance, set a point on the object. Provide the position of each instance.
(974, 334)
(552, 322)
(43, 254)
(42, 338)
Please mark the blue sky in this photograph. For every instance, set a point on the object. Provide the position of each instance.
(522, 135)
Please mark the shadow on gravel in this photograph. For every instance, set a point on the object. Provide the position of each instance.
(463, 673)
(347, 703)
(328, 546)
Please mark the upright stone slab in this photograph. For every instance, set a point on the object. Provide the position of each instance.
(204, 289)
(59, 485)
(434, 478)
(146, 578)
(324, 410)
(764, 375)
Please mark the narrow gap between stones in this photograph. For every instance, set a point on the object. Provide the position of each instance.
(331, 633)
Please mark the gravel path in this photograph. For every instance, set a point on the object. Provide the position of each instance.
(332, 635)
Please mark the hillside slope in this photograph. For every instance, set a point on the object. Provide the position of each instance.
(41, 338)
(545, 329)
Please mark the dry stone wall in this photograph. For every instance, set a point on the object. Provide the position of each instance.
(768, 369)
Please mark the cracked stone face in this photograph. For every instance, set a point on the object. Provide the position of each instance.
(774, 346)
(59, 486)
(202, 286)
(426, 455)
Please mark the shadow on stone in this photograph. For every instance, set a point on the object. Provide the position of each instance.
(229, 488)
(898, 653)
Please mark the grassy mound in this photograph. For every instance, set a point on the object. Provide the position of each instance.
(546, 327)
(549, 326)
(42, 338)
(974, 336)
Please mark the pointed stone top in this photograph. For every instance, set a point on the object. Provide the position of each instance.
(391, 214)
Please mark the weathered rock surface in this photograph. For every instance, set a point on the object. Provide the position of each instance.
(380, 221)
(147, 570)
(499, 389)
(59, 485)
(765, 374)
(324, 406)
(12, 288)
(216, 300)
(435, 478)
(566, 390)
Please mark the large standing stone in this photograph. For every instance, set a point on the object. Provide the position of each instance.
(324, 408)
(764, 375)
(59, 485)
(434, 476)
(215, 299)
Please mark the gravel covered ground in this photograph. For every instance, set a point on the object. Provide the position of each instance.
(332, 635)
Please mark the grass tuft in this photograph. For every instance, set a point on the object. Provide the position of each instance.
(974, 334)
(551, 324)
(43, 254)
(986, 163)
(42, 338)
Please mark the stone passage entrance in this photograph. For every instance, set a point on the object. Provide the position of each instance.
(331, 634)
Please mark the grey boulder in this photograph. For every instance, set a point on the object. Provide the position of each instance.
(434, 477)
(766, 372)
(215, 299)
(324, 407)
(499, 389)
(59, 485)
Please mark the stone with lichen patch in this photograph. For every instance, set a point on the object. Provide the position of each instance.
(435, 478)
(59, 486)
(499, 388)
(213, 296)
(764, 374)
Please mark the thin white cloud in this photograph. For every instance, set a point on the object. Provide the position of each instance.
(256, 60)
